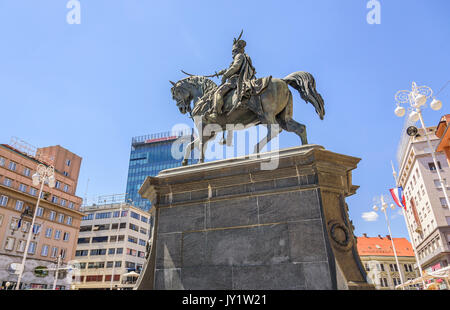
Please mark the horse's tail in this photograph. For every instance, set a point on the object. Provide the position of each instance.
(306, 86)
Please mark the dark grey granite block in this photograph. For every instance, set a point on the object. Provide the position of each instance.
(194, 248)
(207, 278)
(232, 212)
(292, 206)
(262, 245)
(168, 251)
(270, 277)
(168, 279)
(306, 241)
(287, 182)
(182, 218)
(317, 276)
(219, 247)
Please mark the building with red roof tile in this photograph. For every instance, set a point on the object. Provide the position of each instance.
(377, 256)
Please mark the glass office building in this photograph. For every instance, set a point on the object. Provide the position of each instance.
(149, 155)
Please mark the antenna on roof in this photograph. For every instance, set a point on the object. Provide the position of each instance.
(85, 193)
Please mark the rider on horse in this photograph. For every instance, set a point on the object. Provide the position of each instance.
(236, 77)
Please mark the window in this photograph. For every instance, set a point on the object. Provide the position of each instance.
(134, 215)
(69, 220)
(122, 225)
(66, 188)
(114, 226)
(57, 184)
(111, 251)
(71, 205)
(40, 211)
(116, 213)
(85, 228)
(26, 171)
(33, 191)
(48, 232)
(98, 252)
(12, 166)
(433, 167)
(383, 282)
(103, 215)
(19, 205)
(130, 265)
(68, 162)
(52, 215)
(396, 281)
(61, 218)
(94, 278)
(121, 238)
(119, 251)
(443, 202)
(81, 253)
(1, 219)
(22, 188)
(143, 231)
(109, 265)
(66, 236)
(134, 227)
(3, 200)
(132, 239)
(88, 217)
(54, 252)
(118, 264)
(63, 253)
(101, 227)
(44, 250)
(32, 248)
(131, 252)
(57, 234)
(141, 254)
(66, 173)
(36, 229)
(9, 245)
(143, 243)
(7, 182)
(84, 240)
(100, 239)
(63, 203)
(55, 199)
(112, 238)
(21, 246)
(124, 213)
(144, 219)
(2, 161)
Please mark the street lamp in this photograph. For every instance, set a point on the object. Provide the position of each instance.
(417, 97)
(43, 175)
(383, 208)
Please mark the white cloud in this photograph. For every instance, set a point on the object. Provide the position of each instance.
(370, 216)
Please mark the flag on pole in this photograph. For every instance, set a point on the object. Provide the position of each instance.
(397, 195)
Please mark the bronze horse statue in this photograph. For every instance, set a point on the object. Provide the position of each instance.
(276, 102)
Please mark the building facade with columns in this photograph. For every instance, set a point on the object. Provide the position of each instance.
(57, 221)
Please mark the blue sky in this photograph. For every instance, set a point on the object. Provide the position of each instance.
(92, 87)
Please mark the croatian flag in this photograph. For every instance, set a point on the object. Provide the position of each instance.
(397, 195)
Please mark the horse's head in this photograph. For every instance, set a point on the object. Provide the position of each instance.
(190, 88)
(182, 95)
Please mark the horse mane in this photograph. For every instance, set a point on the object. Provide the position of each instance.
(206, 84)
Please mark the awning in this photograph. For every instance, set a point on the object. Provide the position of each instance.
(131, 274)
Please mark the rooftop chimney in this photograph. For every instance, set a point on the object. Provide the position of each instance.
(365, 235)
(388, 236)
(380, 237)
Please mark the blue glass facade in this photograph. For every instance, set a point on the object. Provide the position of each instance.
(149, 155)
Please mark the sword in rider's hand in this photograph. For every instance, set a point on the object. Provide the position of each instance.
(212, 75)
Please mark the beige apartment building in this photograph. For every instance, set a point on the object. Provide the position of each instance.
(427, 212)
(112, 245)
(57, 221)
(377, 257)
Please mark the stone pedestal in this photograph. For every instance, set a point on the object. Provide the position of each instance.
(230, 225)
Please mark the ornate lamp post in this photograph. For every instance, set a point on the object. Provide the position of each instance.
(43, 175)
(383, 208)
(417, 97)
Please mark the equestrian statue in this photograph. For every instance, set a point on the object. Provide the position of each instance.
(243, 99)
